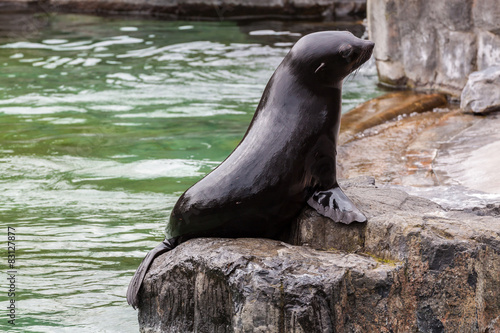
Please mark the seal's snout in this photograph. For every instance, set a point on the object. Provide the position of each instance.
(366, 49)
(363, 52)
(369, 46)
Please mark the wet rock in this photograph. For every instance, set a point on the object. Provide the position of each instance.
(412, 267)
(387, 107)
(259, 285)
(433, 45)
(471, 158)
(444, 155)
(482, 92)
(489, 209)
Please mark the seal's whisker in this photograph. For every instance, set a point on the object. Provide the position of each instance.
(353, 76)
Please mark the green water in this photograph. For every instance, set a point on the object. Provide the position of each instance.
(104, 122)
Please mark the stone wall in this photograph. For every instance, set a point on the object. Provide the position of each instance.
(434, 45)
(205, 9)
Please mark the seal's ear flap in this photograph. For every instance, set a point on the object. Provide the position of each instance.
(346, 51)
(335, 205)
(320, 67)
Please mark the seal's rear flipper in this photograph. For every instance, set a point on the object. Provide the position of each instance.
(336, 205)
(135, 284)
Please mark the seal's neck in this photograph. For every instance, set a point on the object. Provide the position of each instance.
(337, 86)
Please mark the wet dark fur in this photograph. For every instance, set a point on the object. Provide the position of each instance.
(287, 155)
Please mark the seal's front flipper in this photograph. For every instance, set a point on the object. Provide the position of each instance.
(336, 205)
(135, 284)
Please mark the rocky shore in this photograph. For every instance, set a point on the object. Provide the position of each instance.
(427, 260)
(444, 154)
(422, 170)
(413, 267)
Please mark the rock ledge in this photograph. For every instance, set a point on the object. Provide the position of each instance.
(412, 267)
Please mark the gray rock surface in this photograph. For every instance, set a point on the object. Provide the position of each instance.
(260, 285)
(433, 45)
(412, 268)
(445, 155)
(482, 91)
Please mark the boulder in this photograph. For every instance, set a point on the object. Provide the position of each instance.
(412, 267)
(261, 285)
(482, 91)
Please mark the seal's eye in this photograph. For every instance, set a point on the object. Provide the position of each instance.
(346, 51)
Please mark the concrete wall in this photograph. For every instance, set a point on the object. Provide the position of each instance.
(434, 44)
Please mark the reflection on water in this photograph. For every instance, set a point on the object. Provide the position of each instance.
(104, 122)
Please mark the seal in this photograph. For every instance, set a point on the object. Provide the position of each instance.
(286, 160)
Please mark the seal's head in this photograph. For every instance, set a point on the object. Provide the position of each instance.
(327, 57)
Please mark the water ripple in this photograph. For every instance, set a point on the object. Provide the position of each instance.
(74, 46)
(105, 122)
